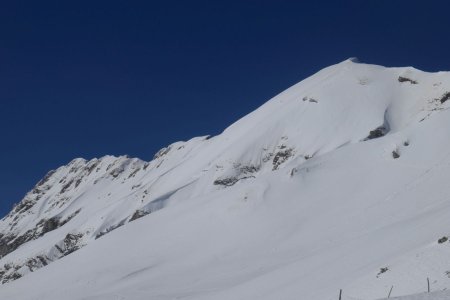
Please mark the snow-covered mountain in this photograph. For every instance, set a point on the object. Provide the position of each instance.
(339, 182)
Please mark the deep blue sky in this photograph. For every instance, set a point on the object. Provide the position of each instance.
(89, 78)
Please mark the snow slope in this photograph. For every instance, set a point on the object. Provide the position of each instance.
(339, 182)
(442, 295)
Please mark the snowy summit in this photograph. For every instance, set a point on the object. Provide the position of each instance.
(339, 182)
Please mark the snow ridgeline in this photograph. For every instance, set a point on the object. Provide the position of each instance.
(338, 182)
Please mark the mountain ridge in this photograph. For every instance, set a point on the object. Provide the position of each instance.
(351, 122)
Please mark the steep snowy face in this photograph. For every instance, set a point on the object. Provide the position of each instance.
(342, 104)
(298, 188)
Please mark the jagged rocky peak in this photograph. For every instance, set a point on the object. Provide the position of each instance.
(67, 177)
(55, 202)
(45, 207)
(69, 194)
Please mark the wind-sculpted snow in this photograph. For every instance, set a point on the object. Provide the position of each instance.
(339, 182)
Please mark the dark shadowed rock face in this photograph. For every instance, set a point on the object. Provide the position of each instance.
(10, 242)
(445, 97)
(71, 243)
(50, 225)
(240, 172)
(376, 133)
(402, 79)
(139, 214)
(5, 248)
(13, 271)
(229, 181)
(26, 204)
(281, 156)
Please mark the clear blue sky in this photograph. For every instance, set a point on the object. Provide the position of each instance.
(89, 78)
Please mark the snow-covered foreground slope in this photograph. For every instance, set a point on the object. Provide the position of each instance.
(340, 182)
(441, 295)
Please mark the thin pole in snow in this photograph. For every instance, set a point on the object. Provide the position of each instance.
(340, 294)
(390, 291)
(428, 281)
